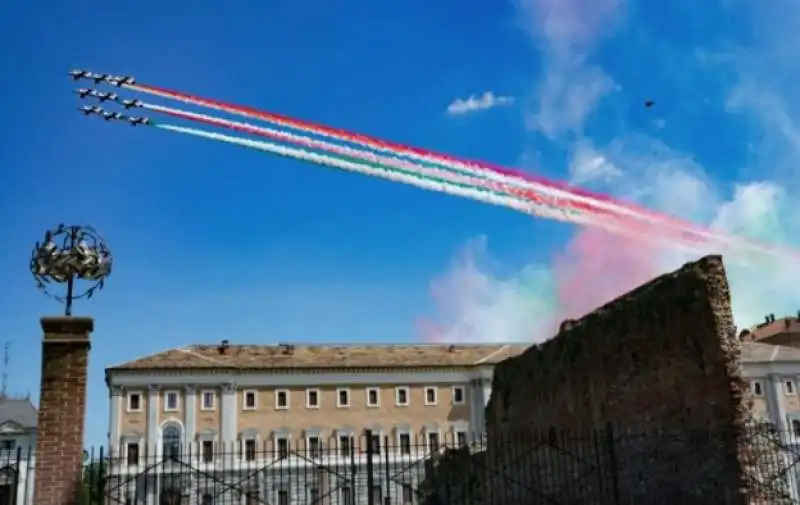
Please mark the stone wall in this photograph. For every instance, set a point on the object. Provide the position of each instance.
(641, 401)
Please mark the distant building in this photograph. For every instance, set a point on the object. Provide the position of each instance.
(783, 331)
(774, 375)
(272, 422)
(18, 419)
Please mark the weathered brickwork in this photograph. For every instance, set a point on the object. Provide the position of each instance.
(641, 401)
(62, 405)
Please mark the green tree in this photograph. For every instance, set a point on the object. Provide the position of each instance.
(91, 489)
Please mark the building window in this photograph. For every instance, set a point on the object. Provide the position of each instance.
(171, 442)
(796, 427)
(458, 395)
(375, 443)
(401, 396)
(314, 448)
(347, 496)
(250, 449)
(282, 399)
(132, 453)
(431, 395)
(312, 398)
(208, 451)
(171, 401)
(313, 496)
(788, 387)
(461, 438)
(134, 402)
(282, 447)
(250, 400)
(377, 494)
(342, 398)
(433, 441)
(404, 441)
(207, 499)
(373, 397)
(207, 400)
(283, 497)
(408, 495)
(7, 446)
(757, 388)
(344, 445)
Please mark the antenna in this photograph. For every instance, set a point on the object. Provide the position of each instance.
(6, 353)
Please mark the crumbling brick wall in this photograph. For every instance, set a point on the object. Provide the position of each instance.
(641, 401)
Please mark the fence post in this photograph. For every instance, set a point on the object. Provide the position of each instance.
(353, 471)
(370, 470)
(612, 462)
(387, 471)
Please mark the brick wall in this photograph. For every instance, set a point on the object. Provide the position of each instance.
(641, 401)
(62, 406)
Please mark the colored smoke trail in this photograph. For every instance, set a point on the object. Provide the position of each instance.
(667, 227)
(599, 202)
(611, 222)
(433, 182)
(409, 173)
(377, 170)
(366, 156)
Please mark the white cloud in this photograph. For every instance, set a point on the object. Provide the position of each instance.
(528, 304)
(589, 165)
(474, 103)
(571, 87)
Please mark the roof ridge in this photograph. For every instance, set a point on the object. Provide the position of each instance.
(326, 356)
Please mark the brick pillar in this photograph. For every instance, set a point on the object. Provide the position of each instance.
(62, 408)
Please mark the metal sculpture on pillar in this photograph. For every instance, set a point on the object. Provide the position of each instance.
(75, 258)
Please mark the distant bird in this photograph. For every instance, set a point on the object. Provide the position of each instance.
(649, 103)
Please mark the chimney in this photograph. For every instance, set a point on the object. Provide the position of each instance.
(223, 346)
(766, 319)
(451, 348)
(772, 318)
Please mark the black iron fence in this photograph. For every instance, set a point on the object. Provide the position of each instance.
(603, 466)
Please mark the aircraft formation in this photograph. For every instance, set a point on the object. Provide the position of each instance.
(114, 80)
(105, 96)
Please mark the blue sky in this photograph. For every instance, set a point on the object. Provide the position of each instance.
(216, 242)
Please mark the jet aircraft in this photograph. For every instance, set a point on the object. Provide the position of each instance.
(138, 121)
(112, 115)
(90, 109)
(119, 80)
(104, 96)
(131, 103)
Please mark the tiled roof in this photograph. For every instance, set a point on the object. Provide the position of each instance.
(19, 411)
(755, 352)
(782, 325)
(288, 356)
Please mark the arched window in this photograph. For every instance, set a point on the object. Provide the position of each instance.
(171, 442)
